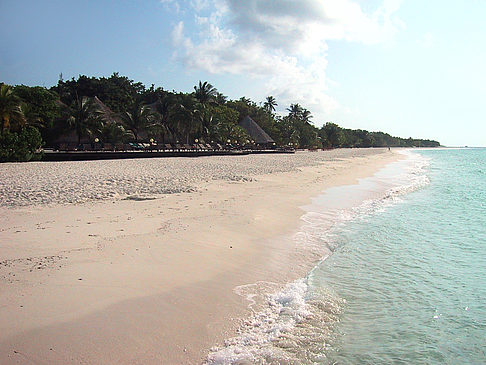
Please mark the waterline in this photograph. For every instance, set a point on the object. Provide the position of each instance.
(298, 323)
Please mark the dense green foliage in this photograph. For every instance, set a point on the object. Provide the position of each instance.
(20, 146)
(117, 92)
(19, 139)
(117, 110)
(334, 136)
(40, 105)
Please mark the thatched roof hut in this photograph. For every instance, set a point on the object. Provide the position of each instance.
(69, 136)
(255, 131)
(107, 114)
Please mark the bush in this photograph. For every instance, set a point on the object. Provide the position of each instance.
(22, 146)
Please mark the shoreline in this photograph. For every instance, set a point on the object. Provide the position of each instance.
(119, 284)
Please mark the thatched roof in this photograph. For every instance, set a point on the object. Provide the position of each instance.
(108, 114)
(70, 136)
(255, 131)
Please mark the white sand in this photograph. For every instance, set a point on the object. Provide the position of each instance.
(129, 281)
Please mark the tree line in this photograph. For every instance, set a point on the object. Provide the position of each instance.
(116, 109)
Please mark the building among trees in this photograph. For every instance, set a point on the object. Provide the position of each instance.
(256, 133)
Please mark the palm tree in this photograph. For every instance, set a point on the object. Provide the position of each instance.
(31, 118)
(162, 111)
(270, 104)
(182, 113)
(112, 132)
(205, 121)
(220, 98)
(231, 131)
(306, 115)
(11, 114)
(295, 110)
(138, 118)
(84, 116)
(205, 92)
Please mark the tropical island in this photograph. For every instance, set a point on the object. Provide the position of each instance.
(117, 113)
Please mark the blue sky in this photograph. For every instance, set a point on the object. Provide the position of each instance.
(407, 67)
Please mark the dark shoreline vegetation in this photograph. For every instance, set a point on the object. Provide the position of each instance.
(91, 113)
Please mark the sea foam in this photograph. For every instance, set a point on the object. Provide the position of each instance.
(295, 325)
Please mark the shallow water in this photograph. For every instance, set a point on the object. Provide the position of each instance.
(406, 279)
(414, 275)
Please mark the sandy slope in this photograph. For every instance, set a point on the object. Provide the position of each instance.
(150, 281)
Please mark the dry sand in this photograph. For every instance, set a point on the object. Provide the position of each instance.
(136, 261)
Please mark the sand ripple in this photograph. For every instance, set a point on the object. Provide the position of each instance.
(45, 183)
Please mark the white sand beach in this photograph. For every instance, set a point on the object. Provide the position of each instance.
(136, 261)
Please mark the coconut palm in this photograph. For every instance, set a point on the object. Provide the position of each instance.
(31, 118)
(270, 104)
(306, 115)
(295, 110)
(205, 122)
(84, 116)
(138, 118)
(220, 98)
(205, 92)
(162, 111)
(11, 115)
(112, 132)
(183, 112)
(232, 132)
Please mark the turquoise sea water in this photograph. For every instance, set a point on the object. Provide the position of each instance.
(414, 275)
(405, 282)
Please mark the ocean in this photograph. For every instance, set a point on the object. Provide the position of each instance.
(402, 279)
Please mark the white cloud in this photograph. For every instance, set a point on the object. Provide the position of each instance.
(199, 5)
(283, 43)
(171, 4)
